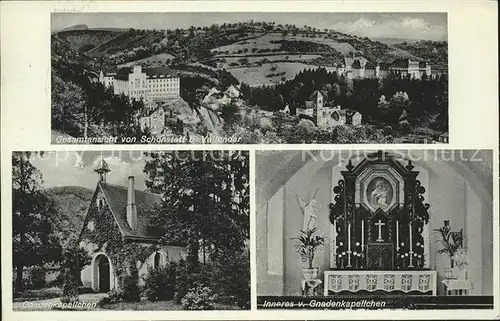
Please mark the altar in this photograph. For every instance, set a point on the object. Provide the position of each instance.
(379, 230)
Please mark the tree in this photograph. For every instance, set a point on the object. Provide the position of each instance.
(243, 61)
(74, 260)
(67, 105)
(205, 203)
(228, 113)
(382, 103)
(33, 241)
(400, 101)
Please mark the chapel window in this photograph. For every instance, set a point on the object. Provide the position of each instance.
(157, 260)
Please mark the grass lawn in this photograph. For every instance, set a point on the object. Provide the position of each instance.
(153, 61)
(264, 42)
(39, 294)
(271, 58)
(257, 75)
(155, 306)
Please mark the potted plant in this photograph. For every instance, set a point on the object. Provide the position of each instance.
(450, 243)
(307, 244)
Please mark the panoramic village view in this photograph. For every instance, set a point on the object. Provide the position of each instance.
(254, 81)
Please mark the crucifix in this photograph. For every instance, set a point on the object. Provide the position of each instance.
(380, 224)
(308, 209)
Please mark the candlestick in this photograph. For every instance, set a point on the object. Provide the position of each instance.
(349, 237)
(334, 241)
(362, 235)
(411, 248)
(349, 245)
(397, 235)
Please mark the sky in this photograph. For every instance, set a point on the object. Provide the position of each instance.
(76, 168)
(429, 26)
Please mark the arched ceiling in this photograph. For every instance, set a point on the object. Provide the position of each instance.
(275, 168)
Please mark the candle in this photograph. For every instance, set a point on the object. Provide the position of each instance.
(349, 237)
(411, 241)
(362, 234)
(411, 248)
(397, 234)
(334, 243)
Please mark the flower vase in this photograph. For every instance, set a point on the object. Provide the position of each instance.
(310, 274)
(448, 273)
(462, 273)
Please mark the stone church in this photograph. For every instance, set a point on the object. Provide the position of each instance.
(380, 213)
(122, 209)
(326, 117)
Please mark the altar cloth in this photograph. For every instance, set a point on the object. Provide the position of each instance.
(358, 280)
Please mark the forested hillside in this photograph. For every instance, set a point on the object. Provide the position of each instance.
(71, 203)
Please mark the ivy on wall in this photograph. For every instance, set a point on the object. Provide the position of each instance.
(107, 237)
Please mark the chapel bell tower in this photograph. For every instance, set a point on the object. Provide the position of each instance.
(102, 169)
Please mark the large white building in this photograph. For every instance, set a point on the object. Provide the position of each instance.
(360, 68)
(147, 84)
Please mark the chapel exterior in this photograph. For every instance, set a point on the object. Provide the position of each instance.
(123, 207)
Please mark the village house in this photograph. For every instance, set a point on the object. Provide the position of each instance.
(327, 117)
(148, 84)
(443, 138)
(214, 99)
(107, 77)
(162, 120)
(123, 211)
(286, 110)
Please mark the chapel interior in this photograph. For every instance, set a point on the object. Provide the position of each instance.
(381, 218)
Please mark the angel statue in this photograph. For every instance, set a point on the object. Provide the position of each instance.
(308, 209)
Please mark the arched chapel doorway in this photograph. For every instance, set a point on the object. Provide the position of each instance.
(102, 274)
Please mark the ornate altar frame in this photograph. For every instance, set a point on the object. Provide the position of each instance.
(401, 211)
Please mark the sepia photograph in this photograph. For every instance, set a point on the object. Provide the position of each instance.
(249, 78)
(130, 230)
(360, 229)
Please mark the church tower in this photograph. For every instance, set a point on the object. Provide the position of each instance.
(102, 169)
(319, 108)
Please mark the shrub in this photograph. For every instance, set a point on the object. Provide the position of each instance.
(199, 298)
(188, 277)
(388, 139)
(160, 283)
(115, 296)
(57, 282)
(131, 292)
(387, 130)
(404, 126)
(37, 277)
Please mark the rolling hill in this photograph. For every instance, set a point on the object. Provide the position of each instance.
(76, 27)
(246, 50)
